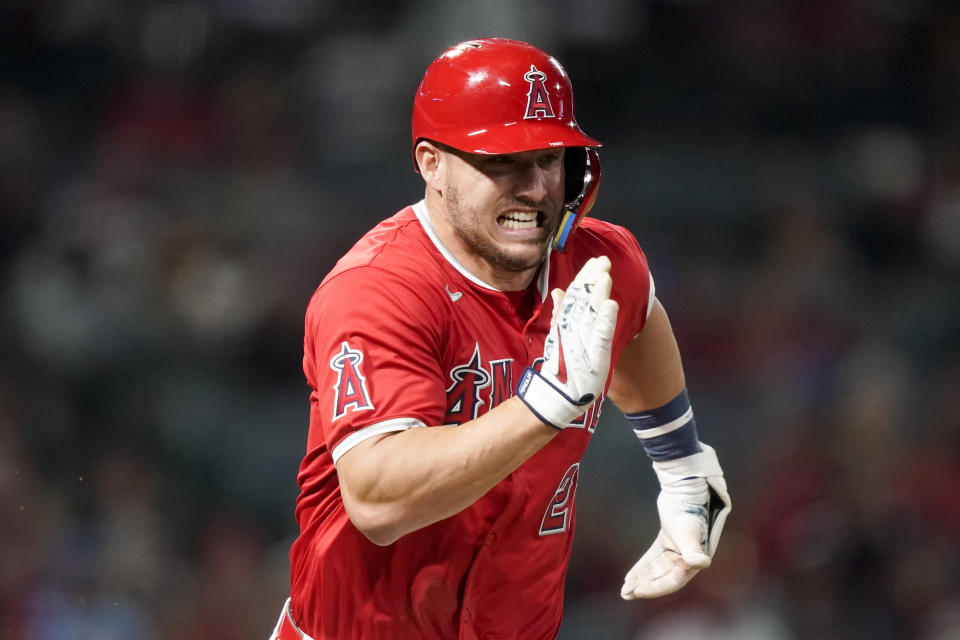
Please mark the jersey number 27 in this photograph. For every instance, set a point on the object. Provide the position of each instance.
(559, 514)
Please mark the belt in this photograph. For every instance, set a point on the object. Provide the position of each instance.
(286, 628)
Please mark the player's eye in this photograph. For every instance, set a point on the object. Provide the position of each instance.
(550, 158)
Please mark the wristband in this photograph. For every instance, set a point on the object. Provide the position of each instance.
(668, 432)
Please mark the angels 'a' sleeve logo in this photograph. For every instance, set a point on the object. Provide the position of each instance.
(538, 99)
(350, 391)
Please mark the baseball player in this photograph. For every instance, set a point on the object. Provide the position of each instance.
(459, 356)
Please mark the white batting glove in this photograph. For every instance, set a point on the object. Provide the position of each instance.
(693, 507)
(576, 354)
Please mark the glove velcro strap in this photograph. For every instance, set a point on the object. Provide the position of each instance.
(548, 402)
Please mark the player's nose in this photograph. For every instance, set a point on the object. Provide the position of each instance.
(532, 182)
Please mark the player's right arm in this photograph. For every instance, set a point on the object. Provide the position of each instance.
(398, 482)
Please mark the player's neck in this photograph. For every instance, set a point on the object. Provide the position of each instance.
(478, 265)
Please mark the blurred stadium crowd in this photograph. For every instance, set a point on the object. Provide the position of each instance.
(176, 177)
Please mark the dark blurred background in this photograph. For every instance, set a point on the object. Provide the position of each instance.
(177, 176)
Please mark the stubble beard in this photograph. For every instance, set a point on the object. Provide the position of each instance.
(466, 222)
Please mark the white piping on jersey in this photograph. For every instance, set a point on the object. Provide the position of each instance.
(358, 436)
(420, 209)
(650, 299)
(652, 295)
(544, 284)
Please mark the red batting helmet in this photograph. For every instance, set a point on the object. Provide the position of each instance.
(494, 96)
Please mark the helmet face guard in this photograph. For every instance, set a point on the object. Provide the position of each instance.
(496, 96)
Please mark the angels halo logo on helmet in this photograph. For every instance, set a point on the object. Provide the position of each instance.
(494, 96)
(538, 98)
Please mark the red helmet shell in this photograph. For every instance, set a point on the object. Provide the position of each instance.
(495, 96)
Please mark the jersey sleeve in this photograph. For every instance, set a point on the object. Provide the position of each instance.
(632, 281)
(371, 356)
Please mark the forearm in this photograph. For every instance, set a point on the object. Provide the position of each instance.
(401, 482)
(648, 386)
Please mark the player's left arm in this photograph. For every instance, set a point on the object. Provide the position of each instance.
(648, 386)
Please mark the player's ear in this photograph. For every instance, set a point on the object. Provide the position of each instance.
(429, 159)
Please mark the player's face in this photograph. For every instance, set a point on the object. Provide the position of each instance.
(504, 209)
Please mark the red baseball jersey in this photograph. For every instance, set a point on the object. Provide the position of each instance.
(400, 335)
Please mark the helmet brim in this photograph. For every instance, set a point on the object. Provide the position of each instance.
(514, 137)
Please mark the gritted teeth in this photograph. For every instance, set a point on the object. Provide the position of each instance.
(520, 219)
(520, 216)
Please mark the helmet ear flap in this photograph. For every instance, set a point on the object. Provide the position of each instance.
(574, 166)
(585, 192)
